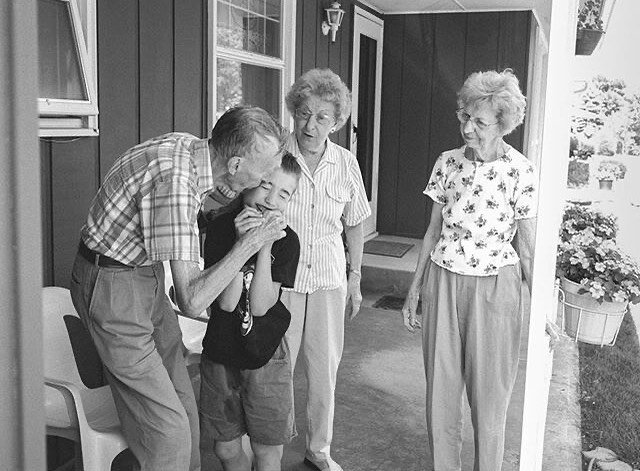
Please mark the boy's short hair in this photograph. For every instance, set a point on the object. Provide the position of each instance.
(290, 164)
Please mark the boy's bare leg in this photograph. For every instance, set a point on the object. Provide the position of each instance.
(267, 457)
(232, 455)
(246, 446)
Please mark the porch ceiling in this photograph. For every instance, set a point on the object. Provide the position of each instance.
(541, 8)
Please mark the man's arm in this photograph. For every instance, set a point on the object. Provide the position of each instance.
(196, 289)
(354, 237)
(230, 296)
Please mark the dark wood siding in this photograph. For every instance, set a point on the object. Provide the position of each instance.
(151, 80)
(74, 181)
(426, 59)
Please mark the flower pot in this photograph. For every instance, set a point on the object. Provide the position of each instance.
(587, 40)
(605, 184)
(588, 320)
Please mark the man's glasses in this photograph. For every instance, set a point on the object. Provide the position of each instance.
(465, 117)
(323, 118)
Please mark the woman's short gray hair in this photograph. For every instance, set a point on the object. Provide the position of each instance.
(326, 85)
(501, 91)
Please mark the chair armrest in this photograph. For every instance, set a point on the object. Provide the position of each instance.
(73, 397)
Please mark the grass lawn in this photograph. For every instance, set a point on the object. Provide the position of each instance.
(610, 395)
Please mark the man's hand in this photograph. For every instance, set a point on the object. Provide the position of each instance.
(270, 230)
(354, 296)
(555, 334)
(409, 317)
(247, 219)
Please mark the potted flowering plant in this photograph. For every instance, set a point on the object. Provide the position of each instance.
(590, 27)
(598, 280)
(577, 219)
(609, 171)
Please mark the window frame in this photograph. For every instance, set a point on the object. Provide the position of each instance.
(286, 64)
(70, 118)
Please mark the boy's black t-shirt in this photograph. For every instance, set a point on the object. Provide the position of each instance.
(223, 342)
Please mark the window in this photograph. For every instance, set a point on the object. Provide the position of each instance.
(67, 101)
(253, 54)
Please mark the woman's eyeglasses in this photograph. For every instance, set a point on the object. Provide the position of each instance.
(465, 117)
(323, 118)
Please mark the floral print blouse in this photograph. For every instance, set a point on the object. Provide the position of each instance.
(482, 201)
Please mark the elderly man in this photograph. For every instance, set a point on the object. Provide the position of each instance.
(146, 212)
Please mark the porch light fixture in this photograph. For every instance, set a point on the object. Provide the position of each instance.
(334, 20)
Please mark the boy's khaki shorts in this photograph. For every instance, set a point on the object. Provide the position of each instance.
(256, 402)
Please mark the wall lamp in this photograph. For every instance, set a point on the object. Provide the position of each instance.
(334, 20)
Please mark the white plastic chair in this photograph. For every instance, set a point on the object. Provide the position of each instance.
(193, 328)
(74, 411)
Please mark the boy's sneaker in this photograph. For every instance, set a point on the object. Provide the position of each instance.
(247, 323)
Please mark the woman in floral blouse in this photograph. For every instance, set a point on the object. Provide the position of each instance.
(471, 276)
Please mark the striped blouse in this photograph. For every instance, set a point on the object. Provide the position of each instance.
(334, 193)
(147, 207)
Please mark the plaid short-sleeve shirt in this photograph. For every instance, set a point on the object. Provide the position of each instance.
(146, 210)
(482, 201)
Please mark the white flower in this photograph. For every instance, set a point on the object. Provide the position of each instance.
(596, 290)
(620, 297)
(600, 266)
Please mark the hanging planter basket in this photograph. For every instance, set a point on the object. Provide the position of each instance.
(587, 40)
(587, 320)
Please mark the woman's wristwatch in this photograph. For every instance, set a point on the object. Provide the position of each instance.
(355, 272)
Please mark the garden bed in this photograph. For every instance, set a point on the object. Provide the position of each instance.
(610, 395)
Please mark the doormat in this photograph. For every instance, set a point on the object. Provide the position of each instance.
(393, 303)
(386, 248)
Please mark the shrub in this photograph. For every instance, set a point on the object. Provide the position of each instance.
(578, 175)
(606, 147)
(574, 144)
(585, 151)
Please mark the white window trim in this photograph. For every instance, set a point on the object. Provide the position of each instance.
(286, 65)
(76, 117)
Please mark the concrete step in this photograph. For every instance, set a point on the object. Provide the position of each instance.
(390, 275)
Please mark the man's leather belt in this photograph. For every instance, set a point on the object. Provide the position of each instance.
(98, 259)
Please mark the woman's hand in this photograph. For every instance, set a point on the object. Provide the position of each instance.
(409, 316)
(354, 296)
(555, 333)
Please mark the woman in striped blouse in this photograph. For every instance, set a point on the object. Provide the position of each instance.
(330, 199)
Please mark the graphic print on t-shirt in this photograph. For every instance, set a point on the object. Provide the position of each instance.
(247, 277)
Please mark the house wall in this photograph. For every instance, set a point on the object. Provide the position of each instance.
(426, 59)
(151, 80)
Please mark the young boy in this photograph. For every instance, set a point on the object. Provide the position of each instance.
(246, 372)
